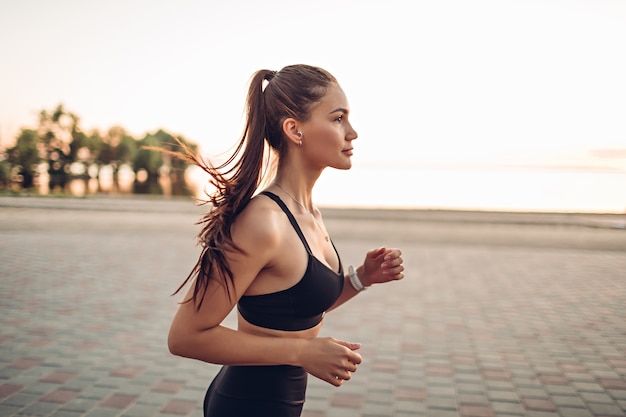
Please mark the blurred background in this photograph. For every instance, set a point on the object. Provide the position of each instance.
(513, 105)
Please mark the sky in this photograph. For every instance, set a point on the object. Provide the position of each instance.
(440, 83)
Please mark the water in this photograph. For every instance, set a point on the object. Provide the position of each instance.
(508, 189)
(494, 189)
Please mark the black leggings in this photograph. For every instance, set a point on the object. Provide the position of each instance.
(256, 391)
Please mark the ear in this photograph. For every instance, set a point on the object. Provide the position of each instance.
(291, 131)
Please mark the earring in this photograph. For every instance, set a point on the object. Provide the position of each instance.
(300, 143)
(300, 136)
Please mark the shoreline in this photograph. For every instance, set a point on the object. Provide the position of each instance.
(181, 204)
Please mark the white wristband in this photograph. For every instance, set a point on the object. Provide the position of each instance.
(354, 280)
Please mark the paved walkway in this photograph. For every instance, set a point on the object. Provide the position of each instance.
(501, 318)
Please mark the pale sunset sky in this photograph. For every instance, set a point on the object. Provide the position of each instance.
(432, 84)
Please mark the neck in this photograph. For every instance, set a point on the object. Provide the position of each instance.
(299, 189)
(310, 210)
(306, 205)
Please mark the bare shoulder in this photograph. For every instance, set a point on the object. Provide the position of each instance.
(260, 225)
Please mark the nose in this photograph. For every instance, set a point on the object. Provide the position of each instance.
(351, 135)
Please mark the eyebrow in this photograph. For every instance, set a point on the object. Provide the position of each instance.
(340, 109)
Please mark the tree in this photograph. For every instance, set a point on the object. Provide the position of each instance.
(155, 157)
(56, 130)
(117, 147)
(148, 160)
(59, 140)
(5, 170)
(25, 157)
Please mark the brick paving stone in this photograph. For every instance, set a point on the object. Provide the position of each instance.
(6, 390)
(507, 408)
(471, 398)
(617, 394)
(441, 413)
(612, 383)
(561, 390)
(440, 390)
(126, 371)
(469, 388)
(491, 385)
(553, 380)
(377, 409)
(409, 414)
(42, 388)
(141, 410)
(38, 408)
(408, 393)
(567, 401)
(438, 371)
(343, 412)
(9, 373)
(169, 387)
(503, 396)
(118, 401)
(60, 396)
(441, 403)
(606, 410)
(103, 412)
(384, 397)
(496, 374)
(573, 367)
(574, 412)
(24, 363)
(154, 398)
(347, 400)
(21, 399)
(9, 411)
(59, 377)
(312, 413)
(531, 391)
(179, 407)
(617, 362)
(80, 405)
(596, 397)
(538, 404)
(66, 413)
(473, 410)
(533, 413)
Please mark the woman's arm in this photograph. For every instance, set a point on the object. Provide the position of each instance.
(330, 360)
(380, 265)
(222, 345)
(196, 332)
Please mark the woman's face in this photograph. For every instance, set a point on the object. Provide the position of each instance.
(327, 136)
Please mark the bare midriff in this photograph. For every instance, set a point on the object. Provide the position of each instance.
(247, 327)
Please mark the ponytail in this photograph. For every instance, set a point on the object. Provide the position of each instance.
(272, 97)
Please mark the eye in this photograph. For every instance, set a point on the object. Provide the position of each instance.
(339, 119)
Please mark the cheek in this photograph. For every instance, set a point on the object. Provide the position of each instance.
(330, 136)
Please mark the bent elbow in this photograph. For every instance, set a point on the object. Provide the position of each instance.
(189, 343)
(175, 344)
(173, 347)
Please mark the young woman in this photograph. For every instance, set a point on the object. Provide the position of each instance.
(266, 250)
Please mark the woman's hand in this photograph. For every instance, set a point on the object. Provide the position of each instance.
(381, 265)
(329, 359)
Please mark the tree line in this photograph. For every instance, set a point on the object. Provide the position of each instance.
(60, 147)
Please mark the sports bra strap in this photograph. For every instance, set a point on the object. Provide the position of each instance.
(292, 219)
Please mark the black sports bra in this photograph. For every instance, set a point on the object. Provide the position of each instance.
(301, 306)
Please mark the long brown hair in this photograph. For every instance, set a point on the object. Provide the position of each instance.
(272, 97)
